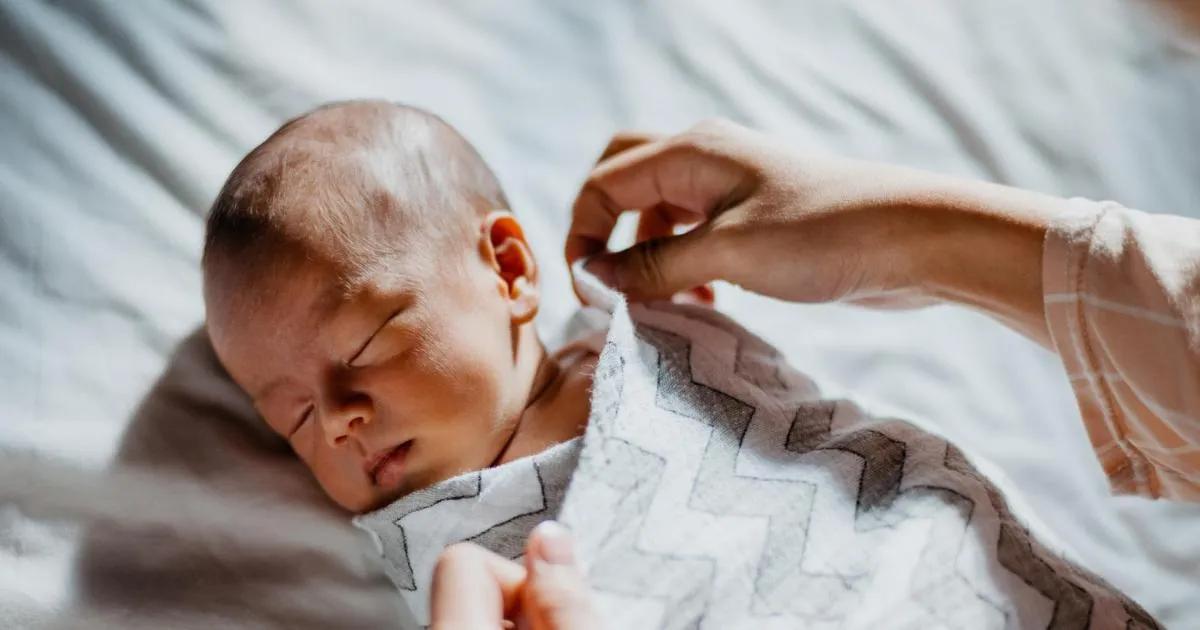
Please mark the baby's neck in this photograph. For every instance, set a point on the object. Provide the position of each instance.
(558, 404)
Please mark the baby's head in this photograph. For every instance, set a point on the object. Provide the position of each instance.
(365, 285)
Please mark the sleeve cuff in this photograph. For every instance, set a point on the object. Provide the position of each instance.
(1066, 253)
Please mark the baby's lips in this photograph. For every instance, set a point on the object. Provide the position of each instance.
(372, 466)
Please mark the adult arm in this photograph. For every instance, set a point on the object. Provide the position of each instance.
(815, 228)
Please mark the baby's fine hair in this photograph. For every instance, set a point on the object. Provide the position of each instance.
(350, 182)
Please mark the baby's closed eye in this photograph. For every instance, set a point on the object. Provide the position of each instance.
(391, 339)
(304, 417)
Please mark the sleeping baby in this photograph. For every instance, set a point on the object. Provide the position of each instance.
(367, 286)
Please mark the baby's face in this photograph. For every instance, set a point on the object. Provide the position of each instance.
(407, 382)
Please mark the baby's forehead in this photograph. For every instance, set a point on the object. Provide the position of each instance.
(321, 280)
(291, 302)
(352, 187)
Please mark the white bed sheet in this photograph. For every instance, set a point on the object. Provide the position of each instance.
(120, 120)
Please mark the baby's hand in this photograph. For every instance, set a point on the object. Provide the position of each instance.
(475, 588)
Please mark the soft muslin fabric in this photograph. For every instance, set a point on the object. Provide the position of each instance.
(715, 487)
(1122, 295)
(495, 508)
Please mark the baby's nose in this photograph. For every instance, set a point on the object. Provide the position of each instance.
(354, 424)
(344, 421)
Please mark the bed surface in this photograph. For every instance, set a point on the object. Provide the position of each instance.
(120, 120)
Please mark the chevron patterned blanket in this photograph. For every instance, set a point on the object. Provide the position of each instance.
(716, 488)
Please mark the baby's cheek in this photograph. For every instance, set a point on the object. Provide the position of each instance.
(469, 358)
(470, 390)
(339, 472)
(430, 387)
(305, 441)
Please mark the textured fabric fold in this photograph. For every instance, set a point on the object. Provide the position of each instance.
(715, 487)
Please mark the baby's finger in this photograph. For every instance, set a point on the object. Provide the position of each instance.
(556, 596)
(473, 588)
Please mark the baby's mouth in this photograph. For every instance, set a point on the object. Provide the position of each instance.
(386, 468)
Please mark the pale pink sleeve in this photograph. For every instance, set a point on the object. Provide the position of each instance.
(1122, 299)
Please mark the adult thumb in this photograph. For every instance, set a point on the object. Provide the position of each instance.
(556, 596)
(656, 268)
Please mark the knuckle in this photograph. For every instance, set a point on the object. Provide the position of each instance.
(710, 136)
(592, 196)
(624, 140)
(681, 144)
(711, 123)
(650, 265)
(714, 125)
(588, 191)
(619, 139)
(592, 183)
(590, 188)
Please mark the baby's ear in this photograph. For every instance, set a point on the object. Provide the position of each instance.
(503, 245)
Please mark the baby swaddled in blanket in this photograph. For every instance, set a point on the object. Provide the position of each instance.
(366, 286)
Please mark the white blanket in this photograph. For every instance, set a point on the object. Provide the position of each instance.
(716, 488)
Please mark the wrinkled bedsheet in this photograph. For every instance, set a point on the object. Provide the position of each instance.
(120, 120)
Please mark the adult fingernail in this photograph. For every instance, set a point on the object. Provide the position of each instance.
(554, 543)
(604, 269)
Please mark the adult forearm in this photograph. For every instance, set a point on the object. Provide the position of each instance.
(980, 245)
(809, 227)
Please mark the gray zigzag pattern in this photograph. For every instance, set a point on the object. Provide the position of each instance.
(1020, 553)
(1014, 550)
(879, 483)
(781, 586)
(683, 585)
(507, 538)
(879, 486)
(754, 359)
(458, 488)
(718, 490)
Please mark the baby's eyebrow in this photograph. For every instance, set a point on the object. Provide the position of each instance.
(328, 302)
(268, 389)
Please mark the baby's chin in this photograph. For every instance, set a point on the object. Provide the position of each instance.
(392, 481)
(376, 501)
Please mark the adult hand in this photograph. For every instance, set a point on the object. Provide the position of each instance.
(475, 588)
(808, 228)
(766, 218)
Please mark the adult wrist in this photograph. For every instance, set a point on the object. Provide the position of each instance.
(980, 245)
